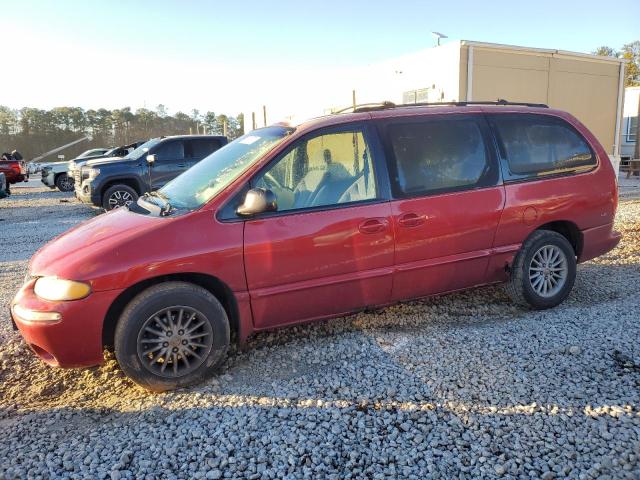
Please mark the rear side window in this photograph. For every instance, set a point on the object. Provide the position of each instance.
(535, 145)
(200, 148)
(439, 155)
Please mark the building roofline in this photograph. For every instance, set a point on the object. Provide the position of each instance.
(544, 51)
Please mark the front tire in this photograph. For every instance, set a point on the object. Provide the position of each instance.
(171, 335)
(64, 182)
(543, 272)
(118, 196)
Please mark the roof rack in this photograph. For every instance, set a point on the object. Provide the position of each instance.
(370, 107)
(366, 107)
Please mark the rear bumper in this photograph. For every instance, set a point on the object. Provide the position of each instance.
(73, 341)
(598, 241)
(15, 179)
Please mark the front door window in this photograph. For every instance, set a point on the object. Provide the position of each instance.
(329, 169)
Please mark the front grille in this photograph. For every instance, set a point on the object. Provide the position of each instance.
(77, 177)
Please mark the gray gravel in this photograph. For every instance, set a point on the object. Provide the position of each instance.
(462, 386)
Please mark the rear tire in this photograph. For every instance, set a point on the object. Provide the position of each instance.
(543, 272)
(118, 196)
(171, 335)
(64, 182)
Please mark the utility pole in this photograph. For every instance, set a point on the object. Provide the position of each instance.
(353, 98)
(224, 128)
(264, 114)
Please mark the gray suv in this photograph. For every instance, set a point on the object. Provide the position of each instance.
(113, 183)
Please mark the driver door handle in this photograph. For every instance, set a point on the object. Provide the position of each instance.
(410, 220)
(373, 225)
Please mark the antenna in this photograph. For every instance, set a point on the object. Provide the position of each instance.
(438, 36)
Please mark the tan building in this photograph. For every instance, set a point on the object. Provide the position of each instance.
(588, 86)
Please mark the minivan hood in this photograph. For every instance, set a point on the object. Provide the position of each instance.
(79, 252)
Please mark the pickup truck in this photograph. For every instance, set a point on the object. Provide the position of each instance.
(56, 174)
(116, 153)
(13, 170)
(116, 182)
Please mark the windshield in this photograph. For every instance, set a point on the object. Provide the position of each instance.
(203, 181)
(142, 149)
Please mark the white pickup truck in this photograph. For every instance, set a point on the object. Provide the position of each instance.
(55, 174)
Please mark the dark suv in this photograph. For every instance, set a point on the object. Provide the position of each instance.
(113, 183)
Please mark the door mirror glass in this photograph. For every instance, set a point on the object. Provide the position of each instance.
(151, 159)
(257, 200)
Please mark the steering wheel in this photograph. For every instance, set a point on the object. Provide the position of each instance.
(270, 182)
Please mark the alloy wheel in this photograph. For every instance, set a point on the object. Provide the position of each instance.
(120, 198)
(548, 270)
(66, 183)
(174, 341)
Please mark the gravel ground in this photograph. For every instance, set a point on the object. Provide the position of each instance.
(462, 386)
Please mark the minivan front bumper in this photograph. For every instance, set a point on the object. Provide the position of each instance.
(73, 338)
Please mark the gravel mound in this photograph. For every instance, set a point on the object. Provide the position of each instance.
(460, 386)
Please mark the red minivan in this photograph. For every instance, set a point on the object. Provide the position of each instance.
(293, 224)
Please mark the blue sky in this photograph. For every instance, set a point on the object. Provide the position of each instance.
(170, 38)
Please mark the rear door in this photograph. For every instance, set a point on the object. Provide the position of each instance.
(328, 249)
(448, 202)
(170, 162)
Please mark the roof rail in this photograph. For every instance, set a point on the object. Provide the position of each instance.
(385, 105)
(366, 107)
(500, 101)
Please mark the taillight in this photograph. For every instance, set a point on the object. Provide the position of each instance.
(16, 168)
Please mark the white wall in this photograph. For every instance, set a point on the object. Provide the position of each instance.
(434, 68)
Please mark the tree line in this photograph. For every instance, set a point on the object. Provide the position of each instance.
(631, 53)
(34, 131)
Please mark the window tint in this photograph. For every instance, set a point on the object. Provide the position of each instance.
(200, 148)
(324, 170)
(439, 155)
(170, 151)
(537, 145)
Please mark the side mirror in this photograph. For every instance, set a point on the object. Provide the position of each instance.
(151, 159)
(257, 200)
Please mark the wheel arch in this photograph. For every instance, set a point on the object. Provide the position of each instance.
(568, 230)
(128, 181)
(214, 285)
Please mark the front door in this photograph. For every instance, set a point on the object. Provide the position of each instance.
(445, 179)
(170, 162)
(328, 250)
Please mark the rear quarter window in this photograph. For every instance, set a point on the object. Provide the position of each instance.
(537, 145)
(201, 148)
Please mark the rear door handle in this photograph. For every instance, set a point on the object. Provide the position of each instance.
(373, 225)
(410, 220)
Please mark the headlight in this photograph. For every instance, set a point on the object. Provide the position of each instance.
(93, 173)
(56, 289)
